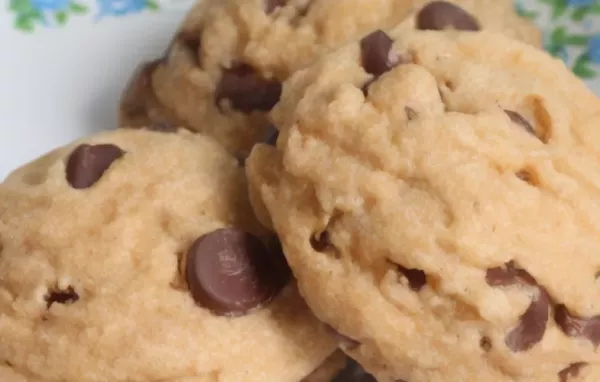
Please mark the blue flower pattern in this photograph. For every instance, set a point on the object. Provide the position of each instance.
(571, 27)
(50, 5)
(122, 7)
(593, 49)
(30, 14)
(580, 3)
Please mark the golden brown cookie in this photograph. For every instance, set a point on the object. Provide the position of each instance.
(222, 73)
(436, 195)
(134, 255)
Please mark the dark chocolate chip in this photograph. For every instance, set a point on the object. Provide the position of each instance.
(440, 15)
(532, 323)
(162, 127)
(353, 372)
(246, 90)
(520, 120)
(87, 163)
(321, 242)
(417, 279)
(377, 54)
(574, 326)
(271, 5)
(508, 275)
(230, 272)
(67, 296)
(571, 371)
(343, 340)
(411, 114)
(271, 136)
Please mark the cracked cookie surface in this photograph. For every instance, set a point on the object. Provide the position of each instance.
(134, 255)
(436, 197)
(223, 71)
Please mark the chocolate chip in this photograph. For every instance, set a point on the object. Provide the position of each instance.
(67, 296)
(417, 279)
(574, 326)
(271, 136)
(508, 275)
(344, 341)
(571, 371)
(162, 127)
(440, 15)
(353, 372)
(230, 272)
(321, 242)
(87, 163)
(246, 90)
(411, 114)
(377, 54)
(520, 120)
(532, 323)
(271, 5)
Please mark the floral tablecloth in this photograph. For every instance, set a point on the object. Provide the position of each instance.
(571, 27)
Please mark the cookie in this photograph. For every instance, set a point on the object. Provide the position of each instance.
(223, 71)
(134, 255)
(436, 197)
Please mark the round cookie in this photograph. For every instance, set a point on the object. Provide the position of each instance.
(134, 255)
(223, 71)
(436, 197)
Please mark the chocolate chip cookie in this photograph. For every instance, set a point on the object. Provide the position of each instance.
(134, 255)
(223, 71)
(436, 194)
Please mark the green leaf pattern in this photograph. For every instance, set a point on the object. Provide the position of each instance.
(571, 27)
(30, 15)
(572, 32)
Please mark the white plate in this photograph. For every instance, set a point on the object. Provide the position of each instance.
(58, 83)
(64, 62)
